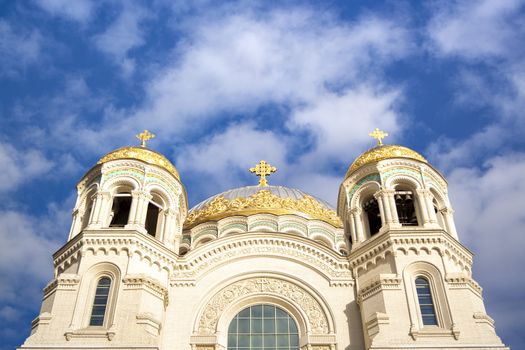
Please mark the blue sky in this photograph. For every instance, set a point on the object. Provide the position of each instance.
(225, 84)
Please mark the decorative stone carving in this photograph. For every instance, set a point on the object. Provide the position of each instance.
(293, 293)
(331, 267)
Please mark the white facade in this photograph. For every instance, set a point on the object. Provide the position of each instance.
(180, 286)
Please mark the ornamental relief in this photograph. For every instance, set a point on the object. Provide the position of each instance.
(198, 265)
(316, 318)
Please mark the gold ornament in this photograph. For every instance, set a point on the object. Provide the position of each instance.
(144, 154)
(379, 135)
(263, 169)
(378, 153)
(263, 201)
(144, 136)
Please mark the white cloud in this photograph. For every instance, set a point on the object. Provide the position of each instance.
(18, 48)
(77, 10)
(124, 34)
(19, 166)
(341, 122)
(487, 37)
(26, 262)
(238, 63)
(477, 29)
(225, 157)
(489, 214)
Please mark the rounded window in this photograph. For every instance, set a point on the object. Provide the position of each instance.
(263, 327)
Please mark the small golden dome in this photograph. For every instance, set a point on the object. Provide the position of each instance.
(381, 152)
(144, 154)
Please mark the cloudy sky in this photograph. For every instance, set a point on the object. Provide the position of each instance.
(225, 84)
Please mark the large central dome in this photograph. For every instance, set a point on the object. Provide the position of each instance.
(249, 200)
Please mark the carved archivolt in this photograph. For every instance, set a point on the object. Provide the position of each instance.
(295, 294)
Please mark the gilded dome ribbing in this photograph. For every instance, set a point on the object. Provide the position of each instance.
(250, 200)
(143, 154)
(381, 152)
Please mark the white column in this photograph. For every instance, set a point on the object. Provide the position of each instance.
(133, 209)
(356, 213)
(379, 200)
(352, 228)
(76, 223)
(390, 208)
(422, 203)
(431, 212)
(142, 208)
(169, 229)
(384, 207)
(100, 209)
(448, 217)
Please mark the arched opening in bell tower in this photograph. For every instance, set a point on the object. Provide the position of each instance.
(120, 209)
(372, 217)
(406, 207)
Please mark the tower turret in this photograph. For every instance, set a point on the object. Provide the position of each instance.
(111, 279)
(414, 284)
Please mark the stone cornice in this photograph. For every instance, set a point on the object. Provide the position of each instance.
(144, 282)
(383, 282)
(401, 240)
(460, 281)
(102, 241)
(63, 282)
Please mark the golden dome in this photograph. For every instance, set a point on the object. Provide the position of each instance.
(144, 154)
(381, 152)
(250, 200)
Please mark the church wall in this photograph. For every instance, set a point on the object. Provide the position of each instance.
(188, 302)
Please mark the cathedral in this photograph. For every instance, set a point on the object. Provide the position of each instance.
(263, 267)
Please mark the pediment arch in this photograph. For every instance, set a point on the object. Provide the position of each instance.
(204, 259)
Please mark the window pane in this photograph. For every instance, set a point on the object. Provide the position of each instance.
(100, 302)
(244, 325)
(245, 313)
(269, 311)
(257, 340)
(263, 327)
(269, 340)
(256, 311)
(232, 340)
(282, 340)
(233, 326)
(282, 325)
(244, 340)
(269, 325)
(426, 303)
(256, 326)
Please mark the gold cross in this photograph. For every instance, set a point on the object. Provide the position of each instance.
(263, 169)
(144, 136)
(378, 135)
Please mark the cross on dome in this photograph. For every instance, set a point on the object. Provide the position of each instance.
(379, 135)
(144, 136)
(263, 169)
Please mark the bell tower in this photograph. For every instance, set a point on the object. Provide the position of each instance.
(111, 278)
(413, 278)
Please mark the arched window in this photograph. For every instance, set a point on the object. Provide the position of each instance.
(372, 215)
(406, 209)
(426, 303)
(263, 327)
(120, 210)
(153, 215)
(87, 210)
(100, 302)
